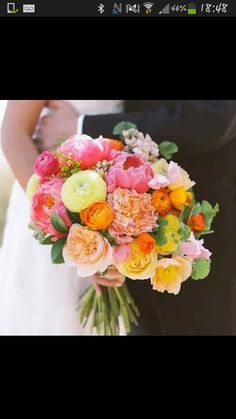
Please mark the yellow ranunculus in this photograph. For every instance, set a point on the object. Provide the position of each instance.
(171, 234)
(139, 265)
(179, 197)
(83, 189)
(32, 186)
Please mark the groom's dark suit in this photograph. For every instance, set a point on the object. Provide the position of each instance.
(205, 132)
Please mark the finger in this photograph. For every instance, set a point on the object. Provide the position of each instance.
(97, 288)
(107, 282)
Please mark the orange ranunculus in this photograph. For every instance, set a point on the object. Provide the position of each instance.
(116, 144)
(161, 201)
(97, 216)
(146, 243)
(179, 197)
(197, 222)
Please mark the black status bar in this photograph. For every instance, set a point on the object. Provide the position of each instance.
(105, 8)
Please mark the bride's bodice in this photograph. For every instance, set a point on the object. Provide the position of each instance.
(96, 107)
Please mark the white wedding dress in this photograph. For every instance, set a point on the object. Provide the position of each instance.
(36, 296)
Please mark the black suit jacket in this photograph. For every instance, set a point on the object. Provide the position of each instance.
(205, 132)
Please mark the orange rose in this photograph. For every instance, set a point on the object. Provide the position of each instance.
(98, 216)
(116, 144)
(146, 243)
(161, 201)
(197, 222)
(179, 197)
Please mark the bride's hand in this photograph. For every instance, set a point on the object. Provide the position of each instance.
(60, 123)
(113, 278)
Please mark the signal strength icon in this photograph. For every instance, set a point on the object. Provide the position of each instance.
(148, 6)
(165, 11)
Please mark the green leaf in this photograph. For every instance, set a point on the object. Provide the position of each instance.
(186, 210)
(209, 213)
(57, 248)
(159, 233)
(58, 224)
(201, 268)
(123, 126)
(196, 209)
(167, 148)
(184, 232)
(109, 237)
(204, 233)
(47, 240)
(74, 217)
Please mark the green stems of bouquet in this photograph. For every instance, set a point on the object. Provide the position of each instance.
(107, 309)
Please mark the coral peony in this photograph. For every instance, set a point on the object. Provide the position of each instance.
(134, 214)
(46, 202)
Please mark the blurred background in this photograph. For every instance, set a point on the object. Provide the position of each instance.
(6, 179)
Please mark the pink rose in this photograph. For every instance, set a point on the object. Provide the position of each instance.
(46, 164)
(87, 150)
(129, 172)
(121, 253)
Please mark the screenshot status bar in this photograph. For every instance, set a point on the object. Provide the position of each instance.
(105, 8)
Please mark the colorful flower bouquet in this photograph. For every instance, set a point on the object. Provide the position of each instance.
(103, 203)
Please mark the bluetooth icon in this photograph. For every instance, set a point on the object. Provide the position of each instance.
(101, 8)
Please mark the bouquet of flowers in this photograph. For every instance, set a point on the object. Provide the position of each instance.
(120, 202)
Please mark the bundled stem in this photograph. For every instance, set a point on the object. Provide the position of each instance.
(108, 310)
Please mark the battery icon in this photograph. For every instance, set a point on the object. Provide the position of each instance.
(192, 9)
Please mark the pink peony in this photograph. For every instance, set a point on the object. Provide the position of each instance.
(129, 172)
(46, 202)
(121, 253)
(87, 150)
(46, 164)
(194, 248)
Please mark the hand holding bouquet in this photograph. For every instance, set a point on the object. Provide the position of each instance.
(118, 205)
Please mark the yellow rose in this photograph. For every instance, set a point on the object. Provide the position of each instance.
(139, 265)
(32, 186)
(83, 189)
(171, 234)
